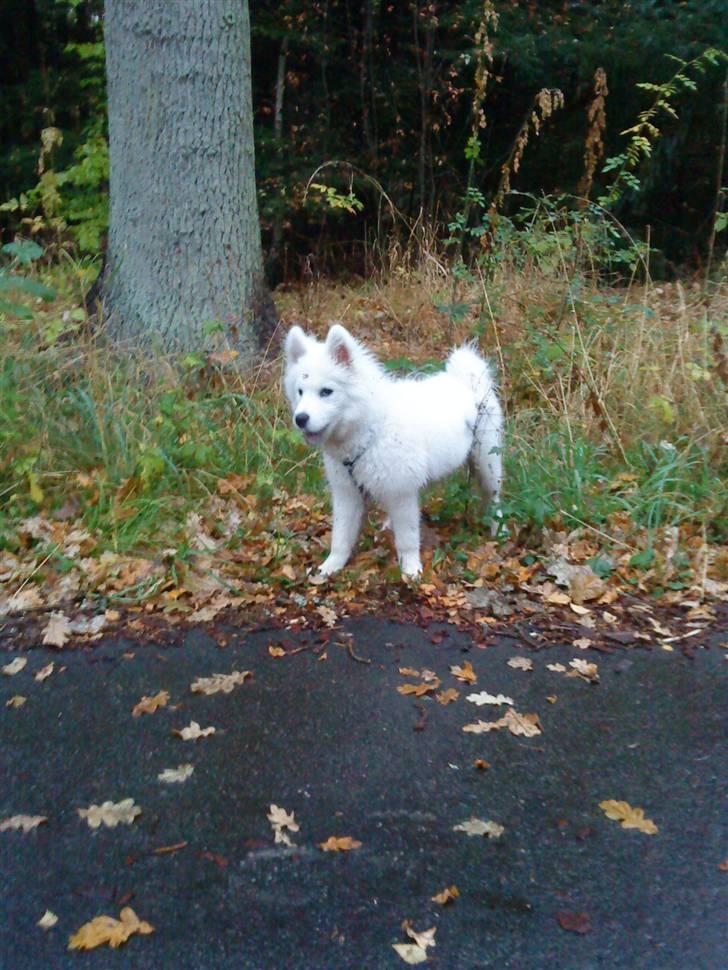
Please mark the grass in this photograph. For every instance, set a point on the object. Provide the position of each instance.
(616, 411)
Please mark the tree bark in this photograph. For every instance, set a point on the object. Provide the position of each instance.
(184, 238)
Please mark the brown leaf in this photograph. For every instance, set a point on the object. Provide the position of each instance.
(464, 673)
(418, 689)
(521, 663)
(15, 666)
(343, 843)
(107, 930)
(276, 651)
(57, 631)
(148, 705)
(45, 672)
(526, 725)
(448, 894)
(447, 696)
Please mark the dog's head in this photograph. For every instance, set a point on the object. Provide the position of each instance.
(317, 382)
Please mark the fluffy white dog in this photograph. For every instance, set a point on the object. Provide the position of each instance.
(385, 438)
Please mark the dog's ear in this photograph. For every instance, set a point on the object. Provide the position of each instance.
(340, 345)
(296, 344)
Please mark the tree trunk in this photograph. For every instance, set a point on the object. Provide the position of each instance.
(184, 245)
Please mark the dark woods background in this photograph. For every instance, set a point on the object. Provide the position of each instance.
(386, 87)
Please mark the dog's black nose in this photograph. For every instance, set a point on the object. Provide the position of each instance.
(302, 419)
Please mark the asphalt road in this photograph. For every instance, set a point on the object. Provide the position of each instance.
(334, 742)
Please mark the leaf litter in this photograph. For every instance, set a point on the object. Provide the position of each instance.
(220, 683)
(103, 930)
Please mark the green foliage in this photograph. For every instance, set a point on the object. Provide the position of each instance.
(22, 253)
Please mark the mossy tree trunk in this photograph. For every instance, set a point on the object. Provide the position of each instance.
(184, 247)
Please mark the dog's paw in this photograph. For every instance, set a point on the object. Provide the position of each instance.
(331, 565)
(411, 567)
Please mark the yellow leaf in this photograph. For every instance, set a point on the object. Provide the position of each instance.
(464, 673)
(148, 705)
(34, 489)
(339, 844)
(418, 689)
(17, 700)
(447, 696)
(110, 814)
(106, 929)
(630, 818)
(276, 651)
(446, 896)
(24, 822)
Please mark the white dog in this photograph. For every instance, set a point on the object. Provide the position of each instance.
(385, 438)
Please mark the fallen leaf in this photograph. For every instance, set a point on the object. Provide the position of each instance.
(520, 663)
(584, 670)
(148, 705)
(630, 818)
(418, 689)
(339, 844)
(574, 922)
(106, 929)
(464, 673)
(448, 894)
(57, 631)
(557, 668)
(276, 651)
(327, 615)
(24, 822)
(481, 764)
(220, 682)
(193, 731)
(17, 700)
(280, 819)
(410, 953)
(424, 938)
(485, 698)
(45, 672)
(15, 666)
(178, 774)
(47, 920)
(526, 725)
(479, 826)
(447, 696)
(583, 643)
(110, 814)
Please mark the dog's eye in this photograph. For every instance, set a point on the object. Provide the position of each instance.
(300, 392)
(326, 392)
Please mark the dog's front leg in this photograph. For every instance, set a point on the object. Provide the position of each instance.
(348, 511)
(404, 515)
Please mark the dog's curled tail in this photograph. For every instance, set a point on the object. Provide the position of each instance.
(466, 365)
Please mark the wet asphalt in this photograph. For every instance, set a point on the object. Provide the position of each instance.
(332, 741)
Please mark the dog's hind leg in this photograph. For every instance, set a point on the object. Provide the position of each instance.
(487, 463)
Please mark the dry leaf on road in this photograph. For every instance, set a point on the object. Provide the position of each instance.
(148, 705)
(106, 929)
(57, 631)
(424, 938)
(24, 822)
(15, 666)
(464, 673)
(410, 953)
(485, 698)
(47, 920)
(584, 670)
(44, 672)
(111, 814)
(220, 682)
(193, 731)
(520, 663)
(630, 818)
(479, 826)
(17, 700)
(525, 725)
(448, 894)
(447, 696)
(418, 689)
(339, 844)
(178, 774)
(280, 819)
